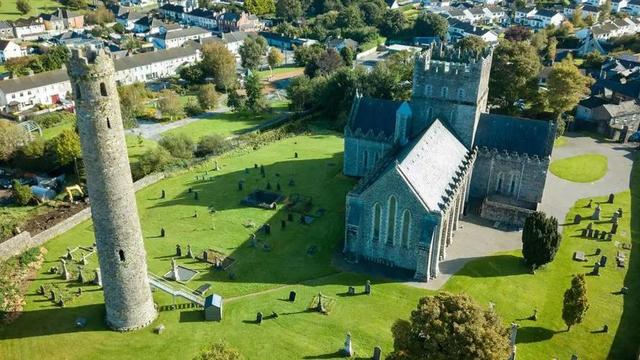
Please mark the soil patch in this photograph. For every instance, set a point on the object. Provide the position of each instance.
(53, 216)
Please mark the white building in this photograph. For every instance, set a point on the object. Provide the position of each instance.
(27, 28)
(201, 17)
(538, 19)
(633, 7)
(10, 50)
(176, 38)
(52, 86)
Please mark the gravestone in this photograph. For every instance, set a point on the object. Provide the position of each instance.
(278, 187)
(513, 335)
(159, 329)
(367, 287)
(598, 251)
(584, 233)
(614, 218)
(589, 204)
(196, 196)
(624, 290)
(262, 170)
(290, 216)
(79, 293)
(590, 226)
(605, 328)
(255, 166)
(351, 290)
(189, 251)
(283, 224)
(377, 353)
(268, 186)
(52, 295)
(259, 317)
(190, 190)
(620, 212)
(295, 155)
(614, 228)
(41, 290)
(195, 213)
(162, 232)
(574, 357)
(178, 250)
(65, 272)
(611, 198)
(98, 279)
(205, 256)
(254, 241)
(596, 234)
(609, 236)
(348, 347)
(596, 269)
(240, 185)
(213, 308)
(603, 235)
(292, 296)
(162, 194)
(320, 306)
(603, 261)
(216, 166)
(81, 278)
(596, 213)
(577, 219)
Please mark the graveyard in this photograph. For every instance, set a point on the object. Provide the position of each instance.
(222, 213)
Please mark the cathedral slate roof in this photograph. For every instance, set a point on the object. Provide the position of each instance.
(376, 115)
(502, 132)
(429, 164)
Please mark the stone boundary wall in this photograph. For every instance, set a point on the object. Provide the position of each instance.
(505, 213)
(23, 241)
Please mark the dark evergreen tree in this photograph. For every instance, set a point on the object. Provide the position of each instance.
(576, 302)
(540, 239)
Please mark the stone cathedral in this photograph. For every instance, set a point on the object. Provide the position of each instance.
(422, 162)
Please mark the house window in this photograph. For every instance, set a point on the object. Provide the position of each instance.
(391, 220)
(444, 92)
(377, 218)
(406, 227)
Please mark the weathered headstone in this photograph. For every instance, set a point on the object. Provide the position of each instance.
(577, 219)
(614, 218)
(611, 198)
(596, 233)
(598, 251)
(614, 228)
(189, 251)
(351, 290)
(589, 204)
(240, 184)
(292, 296)
(584, 233)
(377, 353)
(205, 256)
(624, 290)
(268, 186)
(163, 194)
(295, 154)
(162, 232)
(159, 329)
(68, 256)
(609, 236)
(603, 261)
(278, 187)
(98, 279)
(320, 306)
(178, 250)
(65, 272)
(603, 235)
(41, 290)
(196, 196)
(596, 269)
(605, 328)
(367, 287)
(348, 347)
(259, 317)
(174, 268)
(590, 226)
(596, 213)
(81, 278)
(620, 212)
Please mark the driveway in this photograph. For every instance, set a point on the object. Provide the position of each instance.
(560, 195)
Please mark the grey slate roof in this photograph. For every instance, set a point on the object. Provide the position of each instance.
(430, 163)
(34, 81)
(148, 58)
(502, 132)
(375, 115)
(190, 31)
(592, 102)
(624, 108)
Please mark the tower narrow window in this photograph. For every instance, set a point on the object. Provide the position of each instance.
(460, 94)
(108, 123)
(444, 92)
(121, 254)
(406, 226)
(103, 89)
(391, 220)
(377, 217)
(78, 92)
(512, 187)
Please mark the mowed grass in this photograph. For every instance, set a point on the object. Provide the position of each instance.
(517, 293)
(560, 142)
(582, 168)
(299, 259)
(8, 9)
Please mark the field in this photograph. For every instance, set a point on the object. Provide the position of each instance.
(575, 168)
(8, 8)
(301, 258)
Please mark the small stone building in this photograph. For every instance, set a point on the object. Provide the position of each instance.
(420, 163)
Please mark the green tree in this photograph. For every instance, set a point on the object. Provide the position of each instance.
(430, 24)
(255, 98)
(236, 101)
(347, 55)
(349, 18)
(119, 28)
(391, 79)
(260, 7)
(178, 145)
(193, 74)
(605, 10)
(552, 46)
(219, 352)
(576, 302)
(517, 33)
(471, 43)
(373, 12)
(393, 23)
(133, 100)
(100, 16)
(66, 147)
(21, 193)
(289, 10)
(304, 55)
(207, 96)
(594, 60)
(211, 145)
(540, 39)
(275, 57)
(325, 64)
(12, 137)
(447, 326)
(540, 239)
(153, 160)
(576, 18)
(170, 105)
(566, 86)
(514, 73)
(252, 51)
(23, 6)
(300, 93)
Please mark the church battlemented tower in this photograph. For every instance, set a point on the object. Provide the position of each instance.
(127, 295)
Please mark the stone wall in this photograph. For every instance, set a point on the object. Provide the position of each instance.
(354, 154)
(505, 213)
(24, 241)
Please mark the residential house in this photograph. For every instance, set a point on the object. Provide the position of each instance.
(339, 44)
(129, 19)
(231, 40)
(283, 42)
(148, 25)
(618, 5)
(587, 11)
(10, 50)
(176, 38)
(614, 120)
(74, 39)
(173, 12)
(6, 30)
(187, 5)
(392, 4)
(459, 30)
(50, 87)
(230, 21)
(594, 37)
(632, 8)
(203, 18)
(542, 18)
(62, 19)
(28, 28)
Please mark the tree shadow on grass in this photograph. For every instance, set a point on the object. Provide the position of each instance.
(334, 355)
(493, 266)
(533, 334)
(627, 337)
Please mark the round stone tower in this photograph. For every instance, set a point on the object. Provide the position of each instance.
(123, 265)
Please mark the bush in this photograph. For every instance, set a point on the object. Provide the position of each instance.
(192, 108)
(211, 145)
(207, 96)
(22, 193)
(29, 256)
(178, 145)
(153, 160)
(52, 119)
(219, 352)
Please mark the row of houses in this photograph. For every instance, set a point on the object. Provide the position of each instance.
(51, 87)
(597, 37)
(208, 19)
(27, 28)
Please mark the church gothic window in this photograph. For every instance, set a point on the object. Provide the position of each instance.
(377, 219)
(499, 182)
(406, 227)
(444, 92)
(391, 220)
(512, 186)
(428, 90)
(460, 94)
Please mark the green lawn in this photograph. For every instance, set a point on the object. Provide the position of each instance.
(582, 168)
(560, 142)
(279, 70)
(137, 146)
(54, 131)
(8, 8)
